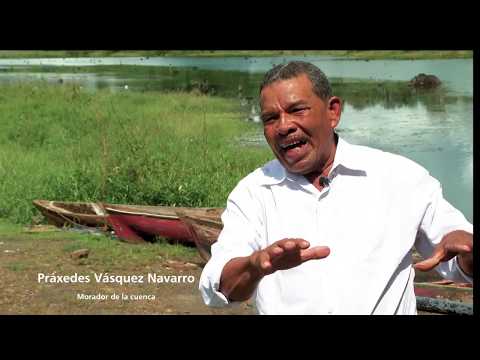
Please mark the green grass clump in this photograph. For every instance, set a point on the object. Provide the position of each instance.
(62, 143)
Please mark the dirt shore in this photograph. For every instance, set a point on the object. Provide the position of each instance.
(23, 258)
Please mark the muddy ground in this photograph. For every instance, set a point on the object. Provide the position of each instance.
(23, 257)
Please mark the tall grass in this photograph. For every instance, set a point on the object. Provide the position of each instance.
(59, 142)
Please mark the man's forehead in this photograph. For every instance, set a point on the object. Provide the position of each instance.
(290, 90)
(298, 80)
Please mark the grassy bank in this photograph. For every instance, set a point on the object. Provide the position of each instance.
(59, 142)
(352, 54)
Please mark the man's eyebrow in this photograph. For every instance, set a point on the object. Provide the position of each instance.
(295, 104)
(289, 108)
(266, 114)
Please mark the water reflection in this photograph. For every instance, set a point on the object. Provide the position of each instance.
(441, 141)
(457, 74)
(394, 94)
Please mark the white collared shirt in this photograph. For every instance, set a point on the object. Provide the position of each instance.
(376, 207)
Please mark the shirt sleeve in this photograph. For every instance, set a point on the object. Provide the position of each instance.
(440, 218)
(240, 236)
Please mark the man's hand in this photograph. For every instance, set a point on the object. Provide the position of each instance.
(285, 254)
(241, 275)
(457, 243)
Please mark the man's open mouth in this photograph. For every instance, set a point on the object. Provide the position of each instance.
(292, 145)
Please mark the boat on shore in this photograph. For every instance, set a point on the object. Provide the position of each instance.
(131, 223)
(204, 231)
(139, 223)
(73, 214)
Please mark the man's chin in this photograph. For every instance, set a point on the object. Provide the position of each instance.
(296, 168)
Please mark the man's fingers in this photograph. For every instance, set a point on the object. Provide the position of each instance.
(317, 252)
(427, 265)
(265, 263)
(275, 251)
(458, 248)
(286, 246)
(439, 254)
(293, 244)
(287, 254)
(289, 245)
(303, 244)
(444, 253)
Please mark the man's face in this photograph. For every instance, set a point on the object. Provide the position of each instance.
(298, 125)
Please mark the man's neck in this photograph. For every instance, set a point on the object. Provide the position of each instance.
(315, 178)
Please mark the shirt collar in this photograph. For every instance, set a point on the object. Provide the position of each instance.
(345, 158)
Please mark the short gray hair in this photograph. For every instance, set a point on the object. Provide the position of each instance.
(320, 83)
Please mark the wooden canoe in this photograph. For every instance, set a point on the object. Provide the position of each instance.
(139, 223)
(204, 231)
(132, 223)
(71, 214)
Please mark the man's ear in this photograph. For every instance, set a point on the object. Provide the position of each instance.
(335, 110)
(334, 103)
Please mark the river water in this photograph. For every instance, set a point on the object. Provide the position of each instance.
(434, 128)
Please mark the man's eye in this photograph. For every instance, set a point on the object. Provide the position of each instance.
(297, 110)
(267, 119)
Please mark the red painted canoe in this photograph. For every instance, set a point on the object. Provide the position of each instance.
(138, 223)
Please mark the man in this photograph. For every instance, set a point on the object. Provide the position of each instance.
(328, 227)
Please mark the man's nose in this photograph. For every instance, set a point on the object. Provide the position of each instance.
(285, 125)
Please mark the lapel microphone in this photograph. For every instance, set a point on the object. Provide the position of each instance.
(324, 181)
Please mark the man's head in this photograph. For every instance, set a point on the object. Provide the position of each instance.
(299, 115)
(320, 84)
